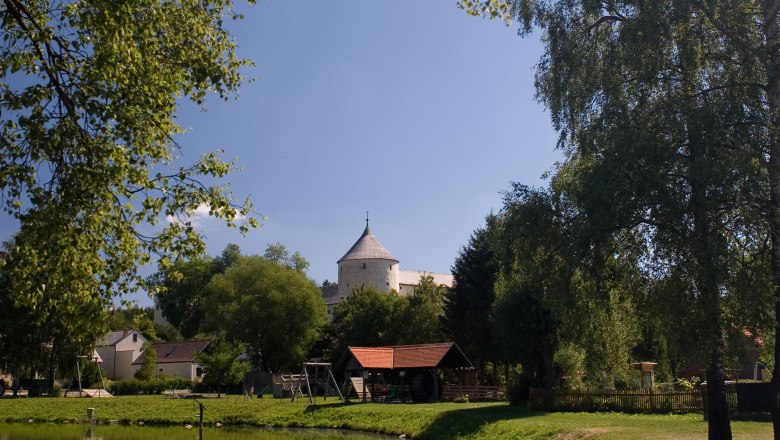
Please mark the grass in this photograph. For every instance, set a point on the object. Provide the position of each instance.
(430, 421)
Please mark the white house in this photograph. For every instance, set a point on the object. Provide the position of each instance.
(118, 350)
(176, 358)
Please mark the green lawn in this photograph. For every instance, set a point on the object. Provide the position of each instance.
(431, 421)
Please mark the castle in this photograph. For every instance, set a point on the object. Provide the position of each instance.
(368, 263)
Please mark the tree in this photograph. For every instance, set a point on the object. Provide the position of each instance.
(276, 311)
(674, 106)
(424, 313)
(89, 95)
(468, 303)
(278, 254)
(221, 364)
(32, 340)
(181, 291)
(230, 256)
(368, 318)
(181, 288)
(148, 369)
(135, 318)
(527, 332)
(575, 294)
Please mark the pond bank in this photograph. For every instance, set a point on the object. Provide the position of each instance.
(466, 421)
(18, 431)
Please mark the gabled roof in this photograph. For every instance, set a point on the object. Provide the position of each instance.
(367, 247)
(175, 352)
(373, 357)
(440, 355)
(113, 338)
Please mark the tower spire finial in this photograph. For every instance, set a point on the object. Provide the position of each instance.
(366, 218)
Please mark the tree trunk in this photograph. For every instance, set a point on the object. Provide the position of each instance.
(50, 378)
(706, 277)
(719, 425)
(549, 368)
(772, 60)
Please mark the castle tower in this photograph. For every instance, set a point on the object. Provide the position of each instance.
(367, 263)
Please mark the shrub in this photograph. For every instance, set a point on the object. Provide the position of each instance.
(148, 366)
(152, 386)
(461, 399)
(518, 389)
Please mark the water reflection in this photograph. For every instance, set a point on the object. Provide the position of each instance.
(14, 431)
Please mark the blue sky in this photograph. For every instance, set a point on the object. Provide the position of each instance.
(412, 111)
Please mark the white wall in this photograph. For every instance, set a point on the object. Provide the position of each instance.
(123, 368)
(410, 279)
(185, 370)
(380, 274)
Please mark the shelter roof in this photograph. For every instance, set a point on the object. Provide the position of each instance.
(367, 247)
(439, 355)
(175, 352)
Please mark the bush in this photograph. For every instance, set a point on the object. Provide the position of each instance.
(152, 386)
(518, 389)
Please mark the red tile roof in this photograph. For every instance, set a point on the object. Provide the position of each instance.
(409, 356)
(373, 357)
(420, 356)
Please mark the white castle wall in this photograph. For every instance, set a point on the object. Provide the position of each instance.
(410, 279)
(381, 274)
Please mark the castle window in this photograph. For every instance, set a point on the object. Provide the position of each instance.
(387, 282)
(364, 265)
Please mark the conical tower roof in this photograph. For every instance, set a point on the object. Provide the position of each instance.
(368, 248)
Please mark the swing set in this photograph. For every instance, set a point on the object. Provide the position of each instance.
(315, 375)
(88, 392)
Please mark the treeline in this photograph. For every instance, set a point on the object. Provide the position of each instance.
(668, 117)
(268, 306)
(263, 306)
(539, 286)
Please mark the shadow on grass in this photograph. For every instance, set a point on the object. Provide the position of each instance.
(467, 421)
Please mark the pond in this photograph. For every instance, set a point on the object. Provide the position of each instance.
(19, 431)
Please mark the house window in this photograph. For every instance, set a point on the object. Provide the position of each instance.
(135, 337)
(199, 371)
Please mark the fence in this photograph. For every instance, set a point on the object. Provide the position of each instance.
(450, 391)
(632, 401)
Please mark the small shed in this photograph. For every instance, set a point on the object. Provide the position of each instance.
(412, 370)
(647, 372)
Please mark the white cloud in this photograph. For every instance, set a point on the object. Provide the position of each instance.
(197, 216)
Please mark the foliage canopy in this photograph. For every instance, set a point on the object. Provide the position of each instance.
(88, 95)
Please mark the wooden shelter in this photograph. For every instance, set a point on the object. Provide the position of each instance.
(401, 372)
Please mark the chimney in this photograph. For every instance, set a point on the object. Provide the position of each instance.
(125, 332)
